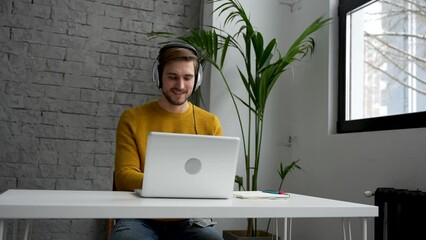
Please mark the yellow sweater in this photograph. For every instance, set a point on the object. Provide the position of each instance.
(132, 133)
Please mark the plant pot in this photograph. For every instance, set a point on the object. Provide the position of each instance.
(242, 235)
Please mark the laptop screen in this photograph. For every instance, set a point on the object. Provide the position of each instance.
(190, 166)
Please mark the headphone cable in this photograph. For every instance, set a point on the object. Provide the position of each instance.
(193, 116)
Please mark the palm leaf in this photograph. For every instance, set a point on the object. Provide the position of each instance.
(224, 50)
(304, 44)
(266, 56)
(283, 171)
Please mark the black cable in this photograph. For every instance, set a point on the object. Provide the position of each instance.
(193, 116)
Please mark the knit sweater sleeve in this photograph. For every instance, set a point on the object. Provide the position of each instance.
(218, 126)
(128, 175)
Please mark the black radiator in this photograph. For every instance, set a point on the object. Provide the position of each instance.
(402, 214)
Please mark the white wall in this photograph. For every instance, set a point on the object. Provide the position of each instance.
(343, 166)
(339, 166)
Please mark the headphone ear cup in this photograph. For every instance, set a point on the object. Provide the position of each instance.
(199, 77)
(156, 74)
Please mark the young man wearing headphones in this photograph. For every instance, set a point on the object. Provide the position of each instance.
(178, 74)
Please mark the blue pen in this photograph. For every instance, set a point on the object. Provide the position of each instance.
(274, 192)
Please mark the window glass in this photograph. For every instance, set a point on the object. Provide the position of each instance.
(385, 59)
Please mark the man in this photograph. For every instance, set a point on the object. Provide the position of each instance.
(178, 73)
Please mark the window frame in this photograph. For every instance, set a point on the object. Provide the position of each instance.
(401, 121)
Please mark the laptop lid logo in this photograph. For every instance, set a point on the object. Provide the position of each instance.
(193, 166)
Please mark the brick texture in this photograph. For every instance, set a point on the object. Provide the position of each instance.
(68, 69)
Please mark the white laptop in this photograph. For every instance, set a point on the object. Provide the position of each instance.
(189, 166)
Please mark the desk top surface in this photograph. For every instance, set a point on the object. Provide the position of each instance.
(108, 204)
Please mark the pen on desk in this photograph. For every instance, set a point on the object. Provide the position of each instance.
(274, 192)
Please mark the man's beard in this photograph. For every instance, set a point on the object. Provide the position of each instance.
(173, 101)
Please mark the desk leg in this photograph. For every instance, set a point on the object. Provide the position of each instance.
(344, 220)
(28, 229)
(344, 228)
(15, 229)
(350, 229)
(364, 228)
(285, 228)
(276, 229)
(2, 229)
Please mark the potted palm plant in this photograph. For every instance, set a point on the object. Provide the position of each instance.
(263, 66)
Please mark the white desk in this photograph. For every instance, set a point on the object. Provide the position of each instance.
(57, 204)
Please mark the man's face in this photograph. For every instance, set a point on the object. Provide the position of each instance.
(178, 81)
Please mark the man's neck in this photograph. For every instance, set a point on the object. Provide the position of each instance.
(166, 105)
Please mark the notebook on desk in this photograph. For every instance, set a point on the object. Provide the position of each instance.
(189, 166)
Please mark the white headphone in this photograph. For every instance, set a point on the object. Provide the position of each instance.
(155, 70)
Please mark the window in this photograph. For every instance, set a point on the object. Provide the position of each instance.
(382, 65)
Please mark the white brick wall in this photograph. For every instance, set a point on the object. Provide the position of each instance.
(68, 68)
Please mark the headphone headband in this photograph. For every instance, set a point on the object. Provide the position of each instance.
(156, 71)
